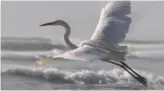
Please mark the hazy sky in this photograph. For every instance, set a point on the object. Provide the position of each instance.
(22, 19)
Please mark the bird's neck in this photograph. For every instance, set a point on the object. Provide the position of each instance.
(66, 36)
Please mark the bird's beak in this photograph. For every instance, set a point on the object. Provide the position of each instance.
(46, 24)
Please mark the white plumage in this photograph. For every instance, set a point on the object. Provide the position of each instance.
(113, 24)
(110, 31)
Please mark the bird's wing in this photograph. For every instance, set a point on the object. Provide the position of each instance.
(111, 29)
(113, 23)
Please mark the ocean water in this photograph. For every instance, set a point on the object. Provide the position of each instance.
(20, 72)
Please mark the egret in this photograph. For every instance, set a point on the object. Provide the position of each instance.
(104, 44)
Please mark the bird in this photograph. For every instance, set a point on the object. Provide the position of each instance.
(104, 44)
(66, 37)
(110, 31)
(67, 34)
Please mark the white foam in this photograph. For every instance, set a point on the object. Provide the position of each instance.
(112, 76)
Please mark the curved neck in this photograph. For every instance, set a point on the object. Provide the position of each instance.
(66, 36)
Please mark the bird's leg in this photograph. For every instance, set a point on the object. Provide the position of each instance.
(134, 72)
(127, 68)
(138, 77)
(121, 56)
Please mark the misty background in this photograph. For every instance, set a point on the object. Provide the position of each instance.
(22, 19)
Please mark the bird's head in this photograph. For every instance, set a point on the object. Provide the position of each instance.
(57, 22)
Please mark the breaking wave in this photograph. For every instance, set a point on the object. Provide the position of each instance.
(113, 76)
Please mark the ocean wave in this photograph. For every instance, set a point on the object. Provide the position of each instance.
(28, 44)
(8, 43)
(30, 55)
(31, 46)
(112, 76)
(20, 56)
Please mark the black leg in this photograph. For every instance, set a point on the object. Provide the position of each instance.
(134, 72)
(136, 77)
(127, 68)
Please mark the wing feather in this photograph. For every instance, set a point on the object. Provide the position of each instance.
(114, 23)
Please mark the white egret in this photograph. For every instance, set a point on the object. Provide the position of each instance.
(67, 34)
(104, 44)
(111, 30)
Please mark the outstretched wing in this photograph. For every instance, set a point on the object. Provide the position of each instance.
(114, 23)
(112, 28)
